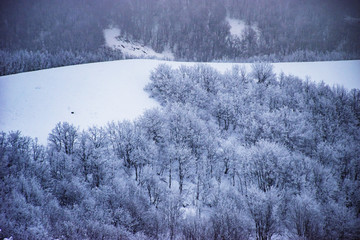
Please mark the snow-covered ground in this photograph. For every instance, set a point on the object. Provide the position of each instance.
(97, 93)
(238, 27)
(130, 48)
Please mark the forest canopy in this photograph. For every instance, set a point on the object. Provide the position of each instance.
(235, 155)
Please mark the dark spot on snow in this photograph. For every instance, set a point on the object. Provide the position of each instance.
(143, 51)
(137, 48)
(72, 112)
(123, 46)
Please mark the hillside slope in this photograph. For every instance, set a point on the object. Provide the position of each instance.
(94, 94)
(194, 30)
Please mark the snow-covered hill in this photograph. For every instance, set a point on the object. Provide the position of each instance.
(94, 94)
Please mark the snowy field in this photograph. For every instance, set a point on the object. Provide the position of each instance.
(97, 93)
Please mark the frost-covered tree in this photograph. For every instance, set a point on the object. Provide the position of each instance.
(262, 207)
(63, 137)
(304, 217)
(262, 72)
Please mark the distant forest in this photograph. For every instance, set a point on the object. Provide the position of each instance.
(240, 155)
(194, 30)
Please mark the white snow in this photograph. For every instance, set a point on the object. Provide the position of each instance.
(237, 27)
(189, 212)
(345, 73)
(97, 93)
(131, 48)
(34, 102)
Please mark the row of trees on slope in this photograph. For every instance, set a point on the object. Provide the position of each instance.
(25, 61)
(192, 29)
(227, 156)
(12, 62)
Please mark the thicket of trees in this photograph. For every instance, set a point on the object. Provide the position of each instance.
(194, 30)
(24, 61)
(227, 156)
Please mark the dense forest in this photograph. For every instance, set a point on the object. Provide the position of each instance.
(235, 155)
(193, 30)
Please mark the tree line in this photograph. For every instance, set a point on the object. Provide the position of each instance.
(25, 61)
(191, 30)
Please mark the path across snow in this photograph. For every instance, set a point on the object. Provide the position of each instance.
(97, 93)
